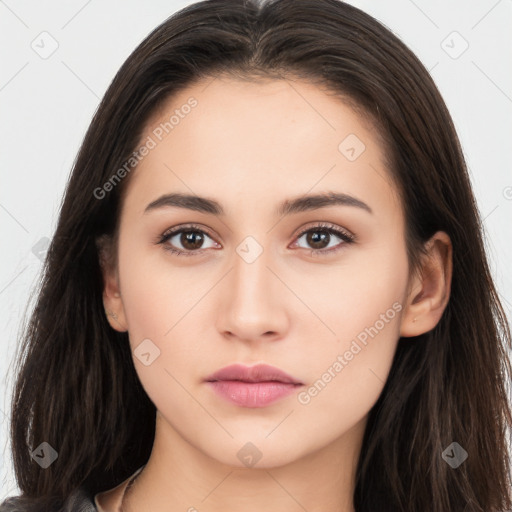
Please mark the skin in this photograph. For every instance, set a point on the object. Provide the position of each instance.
(250, 146)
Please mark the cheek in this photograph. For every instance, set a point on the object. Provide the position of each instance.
(365, 291)
(155, 305)
(347, 377)
(154, 291)
(362, 307)
(350, 373)
(162, 309)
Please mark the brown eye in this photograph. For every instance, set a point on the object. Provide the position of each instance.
(188, 241)
(191, 240)
(319, 237)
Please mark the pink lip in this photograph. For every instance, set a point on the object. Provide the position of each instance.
(255, 386)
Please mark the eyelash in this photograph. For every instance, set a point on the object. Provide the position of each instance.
(324, 227)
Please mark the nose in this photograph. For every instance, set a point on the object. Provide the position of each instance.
(252, 301)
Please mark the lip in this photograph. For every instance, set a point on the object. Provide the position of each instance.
(257, 373)
(252, 386)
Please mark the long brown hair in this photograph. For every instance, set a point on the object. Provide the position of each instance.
(76, 386)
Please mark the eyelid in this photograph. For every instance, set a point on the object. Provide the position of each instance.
(169, 233)
(313, 225)
(346, 236)
(183, 227)
(327, 226)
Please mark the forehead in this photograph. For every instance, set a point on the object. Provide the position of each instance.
(246, 141)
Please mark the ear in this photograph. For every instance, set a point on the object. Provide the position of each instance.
(112, 300)
(429, 292)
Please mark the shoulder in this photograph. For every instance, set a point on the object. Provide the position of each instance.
(79, 501)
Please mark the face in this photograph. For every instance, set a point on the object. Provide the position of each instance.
(315, 290)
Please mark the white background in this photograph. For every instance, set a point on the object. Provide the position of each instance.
(47, 104)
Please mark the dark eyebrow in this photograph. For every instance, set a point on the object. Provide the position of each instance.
(290, 206)
(316, 201)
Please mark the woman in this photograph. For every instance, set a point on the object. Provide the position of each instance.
(197, 346)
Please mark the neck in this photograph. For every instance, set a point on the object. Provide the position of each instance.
(179, 477)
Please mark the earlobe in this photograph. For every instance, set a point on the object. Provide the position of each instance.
(115, 312)
(430, 291)
(114, 308)
(112, 300)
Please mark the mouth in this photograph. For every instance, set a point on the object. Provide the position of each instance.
(255, 386)
(252, 374)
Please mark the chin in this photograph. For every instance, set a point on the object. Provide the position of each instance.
(256, 452)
